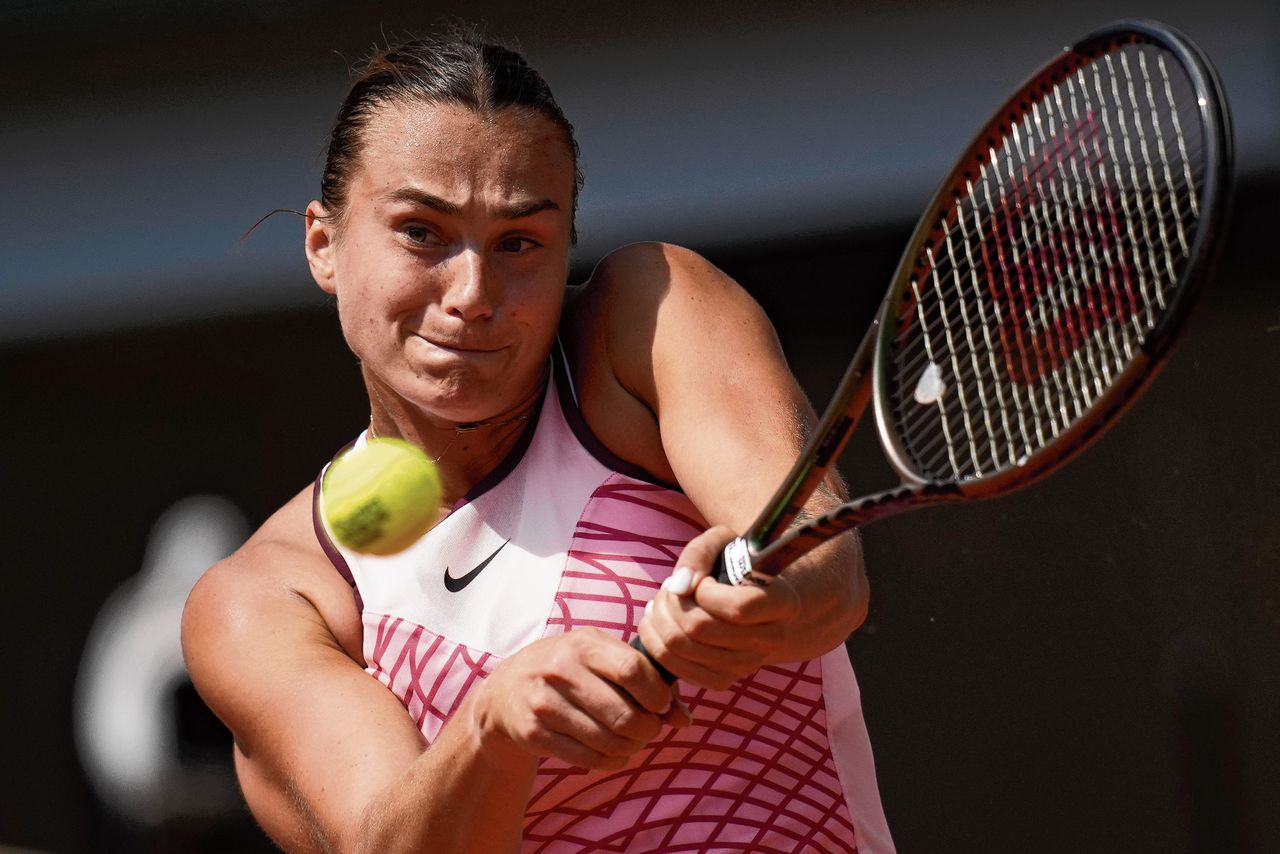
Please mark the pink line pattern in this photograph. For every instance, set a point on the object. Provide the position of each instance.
(754, 772)
(429, 674)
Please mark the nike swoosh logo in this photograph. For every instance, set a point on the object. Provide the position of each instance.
(453, 585)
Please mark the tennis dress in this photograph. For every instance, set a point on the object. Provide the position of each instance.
(562, 535)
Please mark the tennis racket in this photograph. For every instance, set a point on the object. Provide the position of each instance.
(1039, 294)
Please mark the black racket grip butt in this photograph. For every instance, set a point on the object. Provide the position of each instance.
(719, 573)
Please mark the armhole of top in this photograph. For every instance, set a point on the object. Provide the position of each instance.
(571, 408)
(326, 542)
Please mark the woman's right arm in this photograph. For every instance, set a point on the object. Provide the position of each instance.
(329, 759)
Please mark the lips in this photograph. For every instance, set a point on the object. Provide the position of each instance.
(468, 347)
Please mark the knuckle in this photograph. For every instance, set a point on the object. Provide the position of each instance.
(581, 639)
(698, 625)
(541, 703)
(655, 644)
(706, 545)
(679, 645)
(738, 609)
(703, 547)
(634, 670)
(529, 733)
(556, 656)
(625, 721)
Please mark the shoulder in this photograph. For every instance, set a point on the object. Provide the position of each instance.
(643, 277)
(635, 297)
(271, 637)
(280, 580)
(653, 321)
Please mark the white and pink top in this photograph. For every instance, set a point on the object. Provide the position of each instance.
(564, 535)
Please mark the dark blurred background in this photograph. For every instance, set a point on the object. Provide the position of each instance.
(1090, 665)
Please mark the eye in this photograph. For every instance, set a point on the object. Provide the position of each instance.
(517, 244)
(419, 234)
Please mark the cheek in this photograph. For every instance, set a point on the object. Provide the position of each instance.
(357, 327)
(542, 289)
(365, 303)
(540, 310)
(372, 287)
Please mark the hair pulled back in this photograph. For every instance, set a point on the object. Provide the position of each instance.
(455, 67)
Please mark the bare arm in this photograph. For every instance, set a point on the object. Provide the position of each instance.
(328, 758)
(701, 361)
(326, 755)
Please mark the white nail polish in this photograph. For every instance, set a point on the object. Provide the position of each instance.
(679, 581)
(648, 607)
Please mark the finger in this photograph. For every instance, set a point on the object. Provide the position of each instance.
(698, 558)
(679, 714)
(549, 724)
(749, 604)
(698, 636)
(588, 717)
(695, 632)
(612, 711)
(620, 664)
(693, 643)
(706, 667)
(567, 749)
(694, 673)
(689, 631)
(680, 582)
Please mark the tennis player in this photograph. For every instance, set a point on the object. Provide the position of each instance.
(597, 445)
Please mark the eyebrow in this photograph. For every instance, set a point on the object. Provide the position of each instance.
(514, 211)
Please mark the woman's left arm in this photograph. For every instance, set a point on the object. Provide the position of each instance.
(702, 358)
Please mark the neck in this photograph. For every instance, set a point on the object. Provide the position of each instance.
(465, 451)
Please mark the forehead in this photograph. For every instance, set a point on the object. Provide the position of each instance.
(459, 153)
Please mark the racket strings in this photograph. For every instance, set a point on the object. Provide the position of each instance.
(1053, 264)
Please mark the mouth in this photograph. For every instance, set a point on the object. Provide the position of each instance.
(461, 348)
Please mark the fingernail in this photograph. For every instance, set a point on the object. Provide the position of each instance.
(648, 606)
(679, 581)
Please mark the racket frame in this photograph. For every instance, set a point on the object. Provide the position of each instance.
(771, 543)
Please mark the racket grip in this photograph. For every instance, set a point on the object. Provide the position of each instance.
(638, 646)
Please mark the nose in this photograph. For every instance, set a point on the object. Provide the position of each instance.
(469, 294)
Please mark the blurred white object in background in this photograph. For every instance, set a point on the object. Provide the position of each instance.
(132, 673)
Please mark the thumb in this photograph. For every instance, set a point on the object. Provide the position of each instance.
(698, 560)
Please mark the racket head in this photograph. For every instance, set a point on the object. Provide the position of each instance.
(1040, 292)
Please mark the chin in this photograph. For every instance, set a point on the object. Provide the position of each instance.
(466, 389)
(470, 400)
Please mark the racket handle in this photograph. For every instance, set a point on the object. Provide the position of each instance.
(638, 646)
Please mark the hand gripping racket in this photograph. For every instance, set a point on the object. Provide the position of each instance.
(1040, 291)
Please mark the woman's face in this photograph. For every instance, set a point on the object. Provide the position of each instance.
(450, 261)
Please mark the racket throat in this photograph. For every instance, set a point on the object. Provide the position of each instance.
(846, 517)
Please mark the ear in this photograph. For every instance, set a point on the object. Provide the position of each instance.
(319, 242)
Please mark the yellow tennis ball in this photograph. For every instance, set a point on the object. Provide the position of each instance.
(380, 498)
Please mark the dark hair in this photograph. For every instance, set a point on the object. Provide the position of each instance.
(454, 67)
